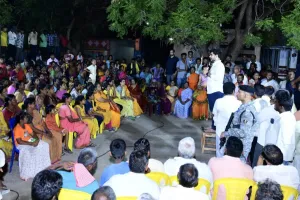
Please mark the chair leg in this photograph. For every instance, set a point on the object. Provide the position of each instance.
(12, 160)
(203, 142)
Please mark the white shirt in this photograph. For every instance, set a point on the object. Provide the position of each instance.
(12, 38)
(215, 80)
(32, 38)
(282, 84)
(222, 113)
(93, 73)
(156, 165)
(234, 79)
(264, 121)
(50, 60)
(286, 135)
(282, 174)
(180, 193)
(133, 184)
(172, 166)
(260, 104)
(258, 65)
(271, 83)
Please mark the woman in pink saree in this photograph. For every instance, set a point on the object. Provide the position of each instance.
(70, 121)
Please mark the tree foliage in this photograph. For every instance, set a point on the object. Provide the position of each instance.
(197, 22)
(5, 12)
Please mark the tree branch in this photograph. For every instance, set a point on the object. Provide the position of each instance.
(237, 5)
(238, 22)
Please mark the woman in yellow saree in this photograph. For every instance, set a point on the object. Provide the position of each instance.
(5, 142)
(90, 120)
(111, 116)
(123, 94)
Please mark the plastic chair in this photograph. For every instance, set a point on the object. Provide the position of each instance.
(201, 183)
(236, 188)
(14, 151)
(101, 127)
(126, 198)
(160, 178)
(66, 194)
(286, 190)
(71, 134)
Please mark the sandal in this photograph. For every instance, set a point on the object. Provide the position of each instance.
(92, 145)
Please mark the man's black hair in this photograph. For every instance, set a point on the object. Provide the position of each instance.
(142, 144)
(284, 99)
(234, 147)
(259, 90)
(216, 52)
(188, 176)
(138, 162)
(118, 148)
(228, 88)
(272, 154)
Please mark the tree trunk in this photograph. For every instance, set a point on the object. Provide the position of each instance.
(70, 27)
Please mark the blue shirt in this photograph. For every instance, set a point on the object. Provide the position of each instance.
(69, 182)
(171, 65)
(114, 169)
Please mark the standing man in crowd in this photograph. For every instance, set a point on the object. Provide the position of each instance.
(181, 70)
(244, 120)
(253, 60)
(286, 136)
(43, 44)
(12, 40)
(191, 60)
(215, 82)
(32, 42)
(3, 41)
(20, 46)
(171, 66)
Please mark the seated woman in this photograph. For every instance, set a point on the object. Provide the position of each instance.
(112, 118)
(153, 102)
(136, 93)
(55, 129)
(37, 124)
(69, 120)
(88, 119)
(89, 108)
(124, 94)
(5, 141)
(34, 153)
(62, 90)
(165, 103)
(39, 100)
(50, 98)
(172, 93)
(11, 108)
(183, 102)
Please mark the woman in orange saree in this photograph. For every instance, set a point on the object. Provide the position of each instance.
(193, 79)
(200, 104)
(136, 93)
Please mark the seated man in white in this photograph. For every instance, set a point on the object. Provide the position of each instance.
(135, 182)
(188, 180)
(153, 165)
(186, 152)
(270, 166)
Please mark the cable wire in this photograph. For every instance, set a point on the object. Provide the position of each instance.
(145, 134)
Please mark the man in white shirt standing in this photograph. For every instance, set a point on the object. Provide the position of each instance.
(286, 136)
(253, 60)
(12, 41)
(188, 180)
(92, 69)
(270, 82)
(135, 182)
(222, 111)
(186, 152)
(32, 42)
(274, 168)
(215, 81)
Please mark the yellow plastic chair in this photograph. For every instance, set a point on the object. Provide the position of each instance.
(236, 188)
(71, 134)
(126, 198)
(20, 105)
(286, 190)
(160, 178)
(66, 194)
(201, 183)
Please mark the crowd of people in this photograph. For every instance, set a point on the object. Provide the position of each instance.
(47, 98)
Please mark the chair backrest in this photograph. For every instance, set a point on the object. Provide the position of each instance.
(201, 183)
(160, 178)
(66, 194)
(287, 191)
(126, 198)
(235, 188)
(12, 123)
(20, 104)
